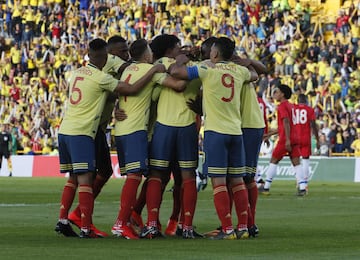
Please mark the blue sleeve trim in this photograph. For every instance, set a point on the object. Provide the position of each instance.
(193, 72)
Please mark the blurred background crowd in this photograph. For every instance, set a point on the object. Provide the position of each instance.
(313, 46)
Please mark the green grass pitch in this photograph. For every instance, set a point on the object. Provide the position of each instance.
(323, 225)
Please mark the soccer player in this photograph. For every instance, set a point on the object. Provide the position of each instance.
(223, 140)
(288, 142)
(253, 126)
(118, 54)
(5, 144)
(89, 87)
(253, 113)
(174, 140)
(305, 122)
(131, 134)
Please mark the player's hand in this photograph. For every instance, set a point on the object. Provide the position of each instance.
(159, 68)
(195, 52)
(267, 142)
(288, 146)
(182, 59)
(195, 105)
(120, 114)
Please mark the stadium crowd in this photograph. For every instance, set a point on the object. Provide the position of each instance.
(41, 41)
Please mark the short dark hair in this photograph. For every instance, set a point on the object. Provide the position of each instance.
(137, 48)
(225, 46)
(116, 39)
(97, 44)
(160, 44)
(302, 99)
(209, 41)
(207, 44)
(286, 90)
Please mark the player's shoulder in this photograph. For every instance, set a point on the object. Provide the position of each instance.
(166, 61)
(96, 75)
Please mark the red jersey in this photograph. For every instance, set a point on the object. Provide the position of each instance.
(262, 106)
(285, 110)
(303, 115)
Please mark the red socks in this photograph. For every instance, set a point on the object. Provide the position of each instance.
(141, 200)
(128, 197)
(153, 200)
(222, 202)
(241, 201)
(189, 201)
(253, 196)
(67, 199)
(176, 203)
(86, 201)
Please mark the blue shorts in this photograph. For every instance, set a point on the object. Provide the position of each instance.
(103, 159)
(224, 155)
(132, 151)
(252, 143)
(170, 143)
(76, 153)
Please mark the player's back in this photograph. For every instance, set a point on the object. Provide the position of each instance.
(286, 110)
(302, 116)
(172, 107)
(137, 107)
(221, 96)
(88, 88)
(251, 111)
(112, 65)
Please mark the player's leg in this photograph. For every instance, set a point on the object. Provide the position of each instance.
(1, 158)
(78, 156)
(174, 220)
(216, 166)
(161, 154)
(299, 171)
(135, 218)
(103, 173)
(9, 162)
(187, 154)
(86, 202)
(236, 171)
(133, 153)
(277, 155)
(103, 162)
(82, 150)
(63, 226)
(305, 154)
(252, 142)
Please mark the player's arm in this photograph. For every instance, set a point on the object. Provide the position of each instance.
(253, 74)
(126, 89)
(122, 68)
(315, 131)
(181, 71)
(258, 66)
(175, 84)
(286, 124)
(196, 104)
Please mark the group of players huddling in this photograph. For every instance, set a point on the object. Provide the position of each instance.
(156, 134)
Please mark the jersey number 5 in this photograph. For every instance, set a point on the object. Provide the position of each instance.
(76, 95)
(228, 82)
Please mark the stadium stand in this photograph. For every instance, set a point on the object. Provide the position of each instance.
(311, 45)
